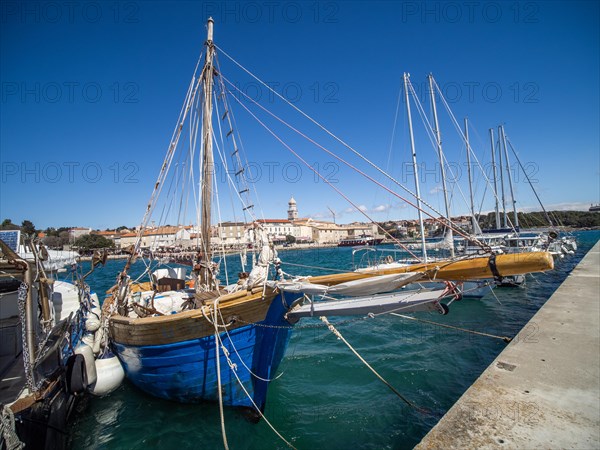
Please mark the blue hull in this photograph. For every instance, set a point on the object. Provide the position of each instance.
(187, 371)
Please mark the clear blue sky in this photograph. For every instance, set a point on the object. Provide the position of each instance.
(91, 92)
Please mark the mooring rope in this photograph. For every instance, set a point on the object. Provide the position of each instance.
(394, 390)
(504, 338)
(7, 429)
(233, 368)
(223, 431)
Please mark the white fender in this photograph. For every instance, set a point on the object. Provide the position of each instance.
(110, 375)
(98, 337)
(92, 323)
(90, 366)
(88, 339)
(94, 299)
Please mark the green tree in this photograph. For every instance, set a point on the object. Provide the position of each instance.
(8, 225)
(290, 239)
(28, 228)
(93, 241)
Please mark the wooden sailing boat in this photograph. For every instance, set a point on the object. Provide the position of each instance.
(221, 345)
(225, 344)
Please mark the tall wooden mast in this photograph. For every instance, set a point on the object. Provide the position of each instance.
(207, 161)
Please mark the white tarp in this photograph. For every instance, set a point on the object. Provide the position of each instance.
(57, 259)
(364, 286)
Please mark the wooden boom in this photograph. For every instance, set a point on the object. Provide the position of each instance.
(458, 270)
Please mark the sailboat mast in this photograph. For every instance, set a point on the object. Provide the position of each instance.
(510, 184)
(207, 160)
(473, 218)
(502, 177)
(438, 139)
(495, 176)
(414, 160)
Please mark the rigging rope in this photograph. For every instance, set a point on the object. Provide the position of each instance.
(357, 153)
(316, 172)
(479, 333)
(339, 336)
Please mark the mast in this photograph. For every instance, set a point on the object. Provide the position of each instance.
(505, 221)
(438, 139)
(510, 184)
(476, 228)
(495, 176)
(414, 160)
(207, 161)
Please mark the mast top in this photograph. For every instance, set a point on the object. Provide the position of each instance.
(209, 25)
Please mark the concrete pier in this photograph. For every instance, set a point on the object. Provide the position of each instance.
(543, 390)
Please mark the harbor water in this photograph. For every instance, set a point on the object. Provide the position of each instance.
(324, 397)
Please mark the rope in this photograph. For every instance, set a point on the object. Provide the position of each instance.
(339, 335)
(317, 173)
(357, 153)
(223, 431)
(504, 338)
(7, 430)
(313, 267)
(242, 359)
(233, 368)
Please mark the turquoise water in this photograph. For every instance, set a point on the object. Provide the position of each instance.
(325, 397)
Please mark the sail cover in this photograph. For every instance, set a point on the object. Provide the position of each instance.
(364, 286)
(411, 301)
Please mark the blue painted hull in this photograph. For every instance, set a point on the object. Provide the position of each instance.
(187, 371)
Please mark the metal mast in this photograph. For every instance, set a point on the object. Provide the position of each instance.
(414, 160)
(438, 139)
(495, 177)
(502, 178)
(510, 184)
(207, 162)
(473, 218)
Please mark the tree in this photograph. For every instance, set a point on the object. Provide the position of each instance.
(8, 225)
(53, 242)
(28, 228)
(290, 239)
(93, 241)
(64, 236)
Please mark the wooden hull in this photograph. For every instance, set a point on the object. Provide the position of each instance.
(174, 357)
(474, 268)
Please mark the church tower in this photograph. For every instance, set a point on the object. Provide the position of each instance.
(292, 210)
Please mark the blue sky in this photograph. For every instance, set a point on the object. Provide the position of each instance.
(91, 91)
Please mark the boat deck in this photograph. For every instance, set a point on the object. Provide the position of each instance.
(543, 390)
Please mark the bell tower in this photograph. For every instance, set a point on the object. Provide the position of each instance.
(292, 210)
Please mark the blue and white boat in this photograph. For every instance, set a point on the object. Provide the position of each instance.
(190, 339)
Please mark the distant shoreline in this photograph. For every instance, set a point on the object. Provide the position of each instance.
(281, 248)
